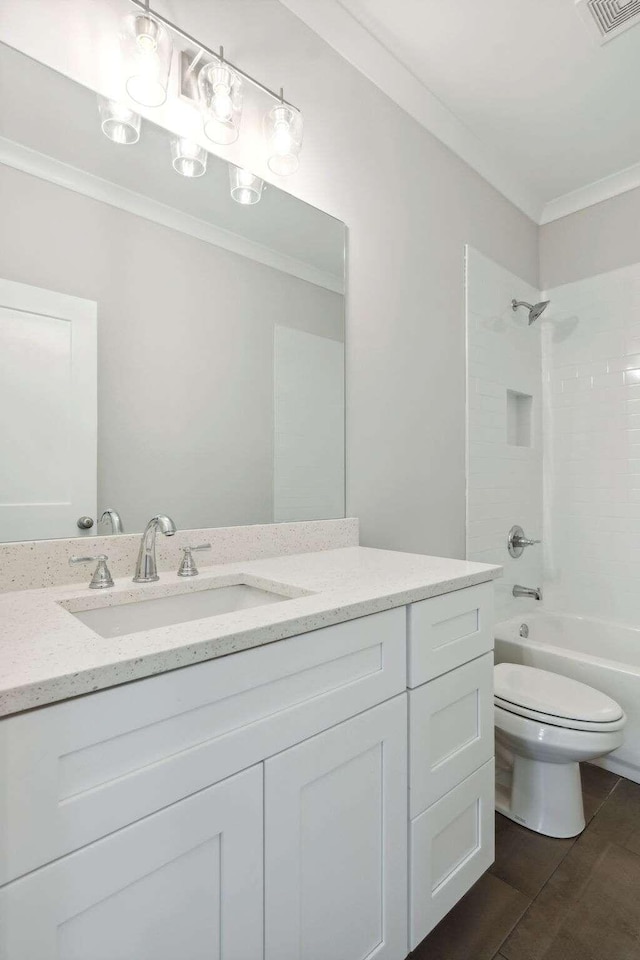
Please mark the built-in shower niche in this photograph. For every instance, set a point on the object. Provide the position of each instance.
(519, 417)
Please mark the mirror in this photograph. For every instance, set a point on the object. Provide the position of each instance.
(163, 348)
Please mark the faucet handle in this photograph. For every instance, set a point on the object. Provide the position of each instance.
(101, 576)
(187, 567)
(517, 541)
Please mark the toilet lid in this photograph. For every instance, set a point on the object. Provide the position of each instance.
(549, 693)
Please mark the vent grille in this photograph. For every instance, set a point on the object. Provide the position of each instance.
(610, 17)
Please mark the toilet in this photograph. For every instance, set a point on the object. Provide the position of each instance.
(545, 725)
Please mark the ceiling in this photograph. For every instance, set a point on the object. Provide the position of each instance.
(540, 107)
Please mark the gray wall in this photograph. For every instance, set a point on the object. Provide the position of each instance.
(595, 240)
(185, 348)
(410, 205)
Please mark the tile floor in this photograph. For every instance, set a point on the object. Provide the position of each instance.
(547, 899)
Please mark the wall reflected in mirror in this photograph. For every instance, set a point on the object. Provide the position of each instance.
(163, 348)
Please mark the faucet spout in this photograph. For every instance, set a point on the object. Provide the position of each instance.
(113, 517)
(535, 593)
(146, 566)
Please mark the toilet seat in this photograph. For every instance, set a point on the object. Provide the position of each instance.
(561, 722)
(554, 700)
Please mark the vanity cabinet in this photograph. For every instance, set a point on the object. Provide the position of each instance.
(326, 797)
(82, 769)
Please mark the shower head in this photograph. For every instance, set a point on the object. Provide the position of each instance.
(535, 309)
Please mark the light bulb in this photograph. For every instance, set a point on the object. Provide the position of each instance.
(147, 51)
(189, 159)
(282, 138)
(246, 188)
(118, 121)
(222, 105)
(220, 95)
(283, 130)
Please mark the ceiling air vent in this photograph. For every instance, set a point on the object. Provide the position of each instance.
(609, 18)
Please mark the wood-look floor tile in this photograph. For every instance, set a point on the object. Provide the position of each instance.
(618, 820)
(605, 923)
(525, 859)
(477, 925)
(545, 925)
(597, 785)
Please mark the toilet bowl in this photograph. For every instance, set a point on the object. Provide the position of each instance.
(545, 725)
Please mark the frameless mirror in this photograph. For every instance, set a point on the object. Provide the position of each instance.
(163, 348)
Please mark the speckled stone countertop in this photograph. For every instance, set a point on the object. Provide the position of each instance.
(47, 654)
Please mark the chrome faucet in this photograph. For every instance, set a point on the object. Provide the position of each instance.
(535, 593)
(146, 567)
(112, 517)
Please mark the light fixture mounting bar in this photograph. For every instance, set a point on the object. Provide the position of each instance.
(144, 6)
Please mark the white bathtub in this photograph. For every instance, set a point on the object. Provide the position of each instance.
(604, 655)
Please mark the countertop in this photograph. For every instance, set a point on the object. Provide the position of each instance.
(47, 655)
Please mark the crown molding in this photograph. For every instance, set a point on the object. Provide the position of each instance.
(592, 193)
(342, 31)
(40, 165)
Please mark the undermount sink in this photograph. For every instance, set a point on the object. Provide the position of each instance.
(124, 618)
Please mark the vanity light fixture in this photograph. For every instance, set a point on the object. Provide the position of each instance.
(148, 52)
(283, 132)
(119, 122)
(246, 188)
(188, 158)
(146, 49)
(220, 97)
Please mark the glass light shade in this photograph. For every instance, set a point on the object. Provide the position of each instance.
(246, 188)
(119, 122)
(147, 49)
(220, 95)
(189, 158)
(283, 131)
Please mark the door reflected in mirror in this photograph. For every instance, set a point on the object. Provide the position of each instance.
(163, 348)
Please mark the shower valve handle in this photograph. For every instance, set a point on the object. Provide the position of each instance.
(525, 541)
(517, 541)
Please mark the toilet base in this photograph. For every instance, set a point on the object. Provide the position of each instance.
(545, 797)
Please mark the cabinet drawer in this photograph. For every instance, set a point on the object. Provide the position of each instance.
(185, 882)
(450, 731)
(450, 846)
(447, 631)
(79, 770)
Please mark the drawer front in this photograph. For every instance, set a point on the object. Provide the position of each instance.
(79, 770)
(447, 631)
(450, 731)
(451, 845)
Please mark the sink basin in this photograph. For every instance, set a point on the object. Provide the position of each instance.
(117, 620)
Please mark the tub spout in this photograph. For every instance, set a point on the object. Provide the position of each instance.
(535, 593)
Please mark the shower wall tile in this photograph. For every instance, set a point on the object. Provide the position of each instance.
(504, 481)
(592, 446)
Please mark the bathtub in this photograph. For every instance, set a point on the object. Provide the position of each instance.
(604, 655)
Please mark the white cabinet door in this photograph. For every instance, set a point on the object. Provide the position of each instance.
(336, 842)
(48, 412)
(183, 884)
